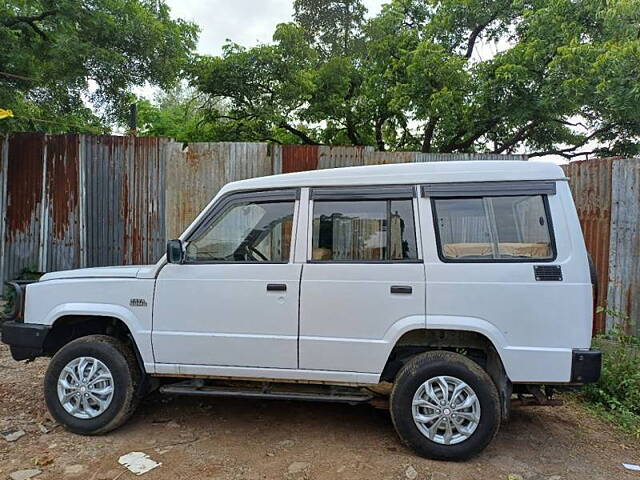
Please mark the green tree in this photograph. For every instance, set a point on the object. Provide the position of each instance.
(333, 26)
(58, 54)
(541, 76)
(260, 93)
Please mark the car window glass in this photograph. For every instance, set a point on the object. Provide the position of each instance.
(246, 232)
(363, 230)
(490, 228)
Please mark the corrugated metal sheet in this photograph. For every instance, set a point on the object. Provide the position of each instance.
(80, 200)
(336, 157)
(4, 161)
(297, 158)
(382, 158)
(197, 173)
(23, 203)
(451, 157)
(590, 182)
(146, 193)
(104, 162)
(623, 293)
(60, 237)
(124, 198)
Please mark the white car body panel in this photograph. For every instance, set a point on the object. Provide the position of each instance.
(348, 317)
(223, 315)
(129, 271)
(48, 301)
(536, 320)
(338, 322)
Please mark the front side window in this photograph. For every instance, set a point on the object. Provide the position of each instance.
(246, 232)
(363, 230)
(493, 228)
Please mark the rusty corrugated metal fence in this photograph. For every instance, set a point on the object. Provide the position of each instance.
(607, 197)
(196, 174)
(70, 201)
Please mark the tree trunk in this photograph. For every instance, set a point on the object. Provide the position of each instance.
(378, 133)
(428, 134)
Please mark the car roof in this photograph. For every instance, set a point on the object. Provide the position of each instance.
(406, 173)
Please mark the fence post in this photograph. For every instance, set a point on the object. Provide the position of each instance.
(82, 199)
(4, 162)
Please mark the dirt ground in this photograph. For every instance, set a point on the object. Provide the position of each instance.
(197, 438)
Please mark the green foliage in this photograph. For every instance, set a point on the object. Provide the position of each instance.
(333, 26)
(57, 54)
(421, 74)
(617, 395)
(254, 93)
(177, 114)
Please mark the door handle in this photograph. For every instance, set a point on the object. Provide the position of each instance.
(276, 287)
(406, 289)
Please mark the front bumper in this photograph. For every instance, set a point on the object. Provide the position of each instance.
(25, 339)
(585, 366)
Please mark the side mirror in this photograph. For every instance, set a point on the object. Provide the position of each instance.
(175, 253)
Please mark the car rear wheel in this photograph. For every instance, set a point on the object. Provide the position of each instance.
(91, 383)
(445, 406)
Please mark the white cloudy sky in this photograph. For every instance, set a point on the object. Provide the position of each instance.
(246, 22)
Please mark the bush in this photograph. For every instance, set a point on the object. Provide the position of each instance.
(617, 395)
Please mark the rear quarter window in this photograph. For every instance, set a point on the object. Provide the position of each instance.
(494, 229)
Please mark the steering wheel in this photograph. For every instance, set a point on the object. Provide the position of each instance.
(252, 250)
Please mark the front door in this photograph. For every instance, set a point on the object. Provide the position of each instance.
(234, 299)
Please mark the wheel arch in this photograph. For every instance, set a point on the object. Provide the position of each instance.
(475, 344)
(139, 329)
(68, 327)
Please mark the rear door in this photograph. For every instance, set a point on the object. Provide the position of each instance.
(363, 277)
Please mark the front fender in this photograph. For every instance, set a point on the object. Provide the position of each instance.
(141, 334)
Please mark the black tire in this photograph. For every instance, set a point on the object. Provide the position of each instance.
(441, 363)
(120, 361)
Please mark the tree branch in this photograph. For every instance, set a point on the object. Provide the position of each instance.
(17, 77)
(475, 33)
(31, 21)
(467, 142)
(519, 136)
(570, 152)
(562, 153)
(406, 134)
(298, 133)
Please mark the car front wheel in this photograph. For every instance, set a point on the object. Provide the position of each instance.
(91, 383)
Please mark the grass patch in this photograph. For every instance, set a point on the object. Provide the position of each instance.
(616, 396)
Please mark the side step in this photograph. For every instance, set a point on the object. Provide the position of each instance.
(280, 391)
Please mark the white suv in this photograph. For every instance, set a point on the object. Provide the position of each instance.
(458, 284)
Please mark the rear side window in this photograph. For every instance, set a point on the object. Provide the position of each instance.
(364, 230)
(494, 228)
